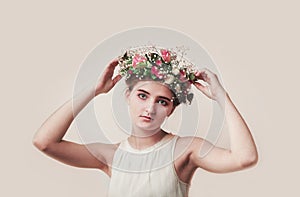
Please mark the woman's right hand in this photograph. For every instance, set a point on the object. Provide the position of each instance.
(106, 82)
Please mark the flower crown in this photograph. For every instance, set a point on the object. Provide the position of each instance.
(159, 64)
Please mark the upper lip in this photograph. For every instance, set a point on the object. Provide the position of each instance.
(146, 117)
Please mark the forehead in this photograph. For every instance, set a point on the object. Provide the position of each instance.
(154, 88)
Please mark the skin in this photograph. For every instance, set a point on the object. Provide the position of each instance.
(149, 105)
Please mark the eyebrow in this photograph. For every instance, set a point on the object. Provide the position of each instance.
(163, 97)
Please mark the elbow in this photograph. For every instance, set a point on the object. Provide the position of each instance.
(40, 143)
(249, 160)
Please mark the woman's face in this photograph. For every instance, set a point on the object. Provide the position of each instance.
(150, 103)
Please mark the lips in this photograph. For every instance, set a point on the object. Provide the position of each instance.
(148, 118)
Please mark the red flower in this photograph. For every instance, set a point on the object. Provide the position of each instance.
(182, 76)
(158, 62)
(137, 59)
(155, 71)
(166, 55)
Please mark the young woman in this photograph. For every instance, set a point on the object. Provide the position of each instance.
(151, 162)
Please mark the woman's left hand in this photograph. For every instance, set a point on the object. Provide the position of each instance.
(214, 90)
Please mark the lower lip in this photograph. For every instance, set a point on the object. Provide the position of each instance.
(146, 119)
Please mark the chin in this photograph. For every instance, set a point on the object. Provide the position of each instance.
(148, 129)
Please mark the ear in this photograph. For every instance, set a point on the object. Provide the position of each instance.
(171, 111)
(127, 95)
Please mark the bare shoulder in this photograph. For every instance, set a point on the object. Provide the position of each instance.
(188, 144)
(185, 147)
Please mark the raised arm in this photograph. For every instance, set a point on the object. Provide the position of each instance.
(242, 152)
(49, 137)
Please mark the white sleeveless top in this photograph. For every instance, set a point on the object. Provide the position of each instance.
(146, 173)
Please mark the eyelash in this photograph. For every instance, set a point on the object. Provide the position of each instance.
(164, 102)
(144, 97)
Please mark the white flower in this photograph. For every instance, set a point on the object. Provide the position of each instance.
(177, 88)
(169, 79)
(175, 71)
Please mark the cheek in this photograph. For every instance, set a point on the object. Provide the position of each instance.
(162, 110)
(136, 105)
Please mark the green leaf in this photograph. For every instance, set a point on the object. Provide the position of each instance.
(192, 76)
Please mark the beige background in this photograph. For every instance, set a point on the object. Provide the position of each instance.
(255, 45)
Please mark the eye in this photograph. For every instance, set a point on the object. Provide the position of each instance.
(163, 102)
(142, 96)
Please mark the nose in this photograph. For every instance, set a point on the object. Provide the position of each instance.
(151, 109)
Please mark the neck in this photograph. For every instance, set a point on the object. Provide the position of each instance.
(139, 141)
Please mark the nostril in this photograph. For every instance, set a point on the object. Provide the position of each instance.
(150, 109)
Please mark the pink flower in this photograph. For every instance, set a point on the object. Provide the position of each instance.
(182, 76)
(166, 55)
(155, 71)
(158, 62)
(138, 59)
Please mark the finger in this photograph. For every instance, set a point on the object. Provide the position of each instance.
(199, 86)
(203, 89)
(207, 72)
(111, 66)
(116, 79)
(113, 63)
(201, 74)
